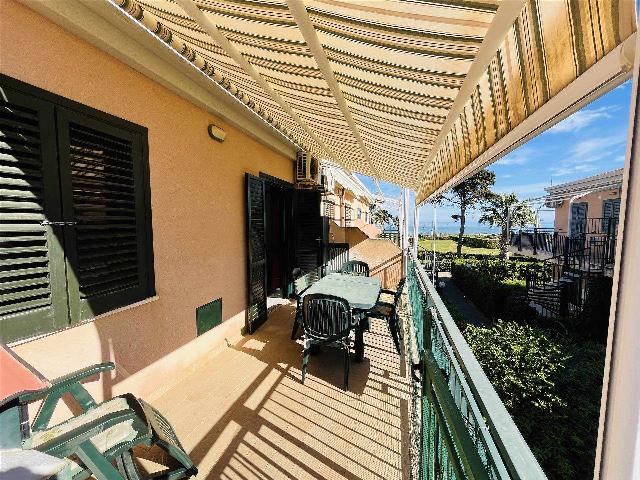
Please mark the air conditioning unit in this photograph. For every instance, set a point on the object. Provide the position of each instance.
(307, 168)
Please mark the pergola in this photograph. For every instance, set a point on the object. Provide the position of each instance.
(420, 94)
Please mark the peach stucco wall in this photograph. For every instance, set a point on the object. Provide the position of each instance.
(594, 209)
(198, 202)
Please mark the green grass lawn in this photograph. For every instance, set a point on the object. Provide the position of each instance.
(443, 246)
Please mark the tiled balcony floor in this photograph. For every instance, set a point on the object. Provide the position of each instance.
(245, 415)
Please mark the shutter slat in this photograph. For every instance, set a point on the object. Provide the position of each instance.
(5, 205)
(23, 272)
(26, 283)
(18, 158)
(22, 194)
(22, 306)
(27, 293)
(16, 250)
(96, 160)
(20, 182)
(35, 227)
(84, 199)
(13, 216)
(94, 139)
(80, 180)
(17, 141)
(23, 261)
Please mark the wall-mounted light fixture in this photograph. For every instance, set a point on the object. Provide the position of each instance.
(216, 132)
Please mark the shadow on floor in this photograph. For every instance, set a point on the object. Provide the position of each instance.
(246, 415)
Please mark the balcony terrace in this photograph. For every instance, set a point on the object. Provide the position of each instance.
(243, 414)
(114, 108)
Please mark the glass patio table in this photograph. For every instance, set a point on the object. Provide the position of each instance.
(362, 294)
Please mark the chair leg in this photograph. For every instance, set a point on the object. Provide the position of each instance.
(347, 363)
(294, 330)
(305, 358)
(393, 328)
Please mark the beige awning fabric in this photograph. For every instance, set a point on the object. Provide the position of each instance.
(381, 87)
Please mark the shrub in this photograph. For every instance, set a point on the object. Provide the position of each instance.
(490, 286)
(483, 241)
(551, 386)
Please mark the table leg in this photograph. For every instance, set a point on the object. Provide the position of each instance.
(360, 342)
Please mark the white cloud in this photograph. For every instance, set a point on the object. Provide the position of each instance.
(517, 157)
(581, 119)
(589, 154)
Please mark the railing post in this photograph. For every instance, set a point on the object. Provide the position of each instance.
(564, 299)
(520, 241)
(535, 240)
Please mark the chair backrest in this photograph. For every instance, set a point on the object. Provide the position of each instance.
(303, 281)
(325, 317)
(398, 294)
(356, 267)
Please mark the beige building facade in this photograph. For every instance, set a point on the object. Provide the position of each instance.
(199, 247)
(583, 203)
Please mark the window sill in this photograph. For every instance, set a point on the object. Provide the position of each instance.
(88, 320)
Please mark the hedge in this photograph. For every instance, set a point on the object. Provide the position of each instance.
(492, 288)
(551, 386)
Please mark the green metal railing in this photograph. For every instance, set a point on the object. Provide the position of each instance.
(467, 432)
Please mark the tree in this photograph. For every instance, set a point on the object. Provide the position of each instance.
(382, 217)
(466, 196)
(506, 211)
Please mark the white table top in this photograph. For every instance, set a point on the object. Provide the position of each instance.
(18, 464)
(361, 292)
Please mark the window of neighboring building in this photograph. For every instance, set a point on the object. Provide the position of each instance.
(75, 212)
(610, 214)
(359, 213)
(347, 215)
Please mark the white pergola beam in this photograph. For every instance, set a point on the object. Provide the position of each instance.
(214, 32)
(301, 16)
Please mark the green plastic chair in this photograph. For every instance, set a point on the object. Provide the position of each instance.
(388, 311)
(100, 440)
(326, 320)
(355, 267)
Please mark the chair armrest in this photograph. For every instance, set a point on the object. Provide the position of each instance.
(83, 373)
(66, 384)
(62, 383)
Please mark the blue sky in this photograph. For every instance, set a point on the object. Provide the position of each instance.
(590, 141)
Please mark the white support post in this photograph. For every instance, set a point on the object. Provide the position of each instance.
(416, 229)
(618, 452)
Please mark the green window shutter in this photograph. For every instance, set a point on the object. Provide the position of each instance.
(103, 196)
(256, 253)
(32, 278)
(309, 233)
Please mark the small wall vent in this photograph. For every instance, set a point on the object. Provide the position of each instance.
(208, 316)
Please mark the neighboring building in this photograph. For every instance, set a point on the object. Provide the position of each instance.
(347, 202)
(586, 205)
(586, 217)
